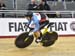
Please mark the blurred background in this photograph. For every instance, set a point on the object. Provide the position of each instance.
(55, 8)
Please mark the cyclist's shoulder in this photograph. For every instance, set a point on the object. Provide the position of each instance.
(36, 14)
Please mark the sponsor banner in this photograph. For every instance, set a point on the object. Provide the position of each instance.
(15, 26)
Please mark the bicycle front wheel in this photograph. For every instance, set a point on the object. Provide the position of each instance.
(23, 40)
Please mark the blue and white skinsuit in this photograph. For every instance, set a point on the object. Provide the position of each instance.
(34, 22)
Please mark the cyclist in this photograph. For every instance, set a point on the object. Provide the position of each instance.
(36, 21)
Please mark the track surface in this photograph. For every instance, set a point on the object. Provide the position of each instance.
(64, 46)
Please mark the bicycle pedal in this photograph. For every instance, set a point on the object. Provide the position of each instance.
(38, 41)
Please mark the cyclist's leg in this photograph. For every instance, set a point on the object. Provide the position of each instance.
(38, 33)
(38, 36)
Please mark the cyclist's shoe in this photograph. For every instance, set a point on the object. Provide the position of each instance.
(38, 40)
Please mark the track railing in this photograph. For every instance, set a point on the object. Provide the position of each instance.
(44, 11)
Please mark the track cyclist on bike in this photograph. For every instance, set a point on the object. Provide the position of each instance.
(36, 21)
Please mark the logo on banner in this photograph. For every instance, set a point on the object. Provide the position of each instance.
(72, 26)
(58, 26)
(17, 26)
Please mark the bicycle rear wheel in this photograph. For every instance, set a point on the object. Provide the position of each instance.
(49, 39)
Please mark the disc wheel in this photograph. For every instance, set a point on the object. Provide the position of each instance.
(23, 40)
(49, 39)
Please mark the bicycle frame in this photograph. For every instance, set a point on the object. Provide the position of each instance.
(44, 30)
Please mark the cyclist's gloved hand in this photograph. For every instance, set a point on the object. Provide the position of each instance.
(31, 33)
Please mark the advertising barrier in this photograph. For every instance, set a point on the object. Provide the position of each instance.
(15, 26)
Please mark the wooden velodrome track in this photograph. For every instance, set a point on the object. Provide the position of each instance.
(64, 46)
